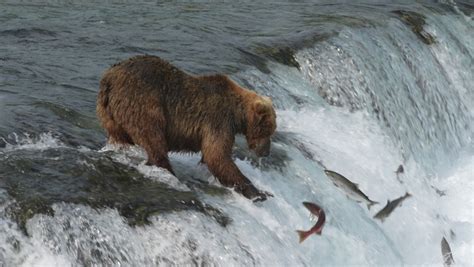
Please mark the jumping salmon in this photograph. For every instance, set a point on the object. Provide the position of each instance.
(399, 170)
(390, 207)
(351, 189)
(318, 227)
(446, 252)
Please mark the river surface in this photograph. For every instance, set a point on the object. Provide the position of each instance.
(359, 87)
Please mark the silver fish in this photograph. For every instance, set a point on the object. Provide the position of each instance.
(351, 189)
(399, 170)
(440, 193)
(446, 252)
(390, 207)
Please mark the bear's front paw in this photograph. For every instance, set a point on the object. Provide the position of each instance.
(262, 196)
(251, 192)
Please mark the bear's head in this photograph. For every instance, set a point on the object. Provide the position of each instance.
(261, 124)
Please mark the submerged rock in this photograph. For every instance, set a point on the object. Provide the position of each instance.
(212, 190)
(22, 211)
(416, 21)
(255, 60)
(284, 55)
(38, 179)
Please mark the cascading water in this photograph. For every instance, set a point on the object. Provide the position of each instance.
(361, 101)
(387, 73)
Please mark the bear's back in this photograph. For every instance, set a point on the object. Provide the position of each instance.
(154, 73)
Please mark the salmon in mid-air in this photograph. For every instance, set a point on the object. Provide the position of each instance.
(446, 252)
(390, 207)
(399, 170)
(351, 189)
(318, 227)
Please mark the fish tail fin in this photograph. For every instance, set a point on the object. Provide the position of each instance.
(303, 235)
(371, 203)
(408, 194)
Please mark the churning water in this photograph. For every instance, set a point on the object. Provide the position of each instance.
(360, 88)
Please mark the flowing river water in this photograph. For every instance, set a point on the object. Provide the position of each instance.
(359, 88)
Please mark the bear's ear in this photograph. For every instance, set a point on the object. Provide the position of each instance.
(262, 106)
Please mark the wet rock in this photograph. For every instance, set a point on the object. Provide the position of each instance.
(416, 21)
(298, 100)
(466, 7)
(22, 211)
(15, 243)
(211, 190)
(292, 140)
(284, 55)
(39, 179)
(222, 219)
(254, 60)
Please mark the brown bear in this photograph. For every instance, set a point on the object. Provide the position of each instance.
(147, 101)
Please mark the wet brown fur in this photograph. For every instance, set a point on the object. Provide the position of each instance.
(147, 101)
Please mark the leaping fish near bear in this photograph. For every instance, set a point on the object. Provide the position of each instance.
(448, 259)
(399, 171)
(351, 189)
(390, 207)
(318, 227)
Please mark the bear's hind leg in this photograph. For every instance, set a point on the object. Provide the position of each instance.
(156, 148)
(117, 135)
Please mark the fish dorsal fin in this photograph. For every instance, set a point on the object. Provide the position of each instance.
(388, 201)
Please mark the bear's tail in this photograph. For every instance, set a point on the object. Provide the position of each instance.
(103, 101)
(115, 133)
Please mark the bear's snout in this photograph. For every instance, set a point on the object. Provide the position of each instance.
(263, 149)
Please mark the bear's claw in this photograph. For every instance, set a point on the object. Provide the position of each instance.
(251, 192)
(262, 196)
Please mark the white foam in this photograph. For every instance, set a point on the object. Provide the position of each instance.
(27, 142)
(81, 234)
(135, 157)
(457, 210)
(18, 250)
(162, 175)
(348, 143)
